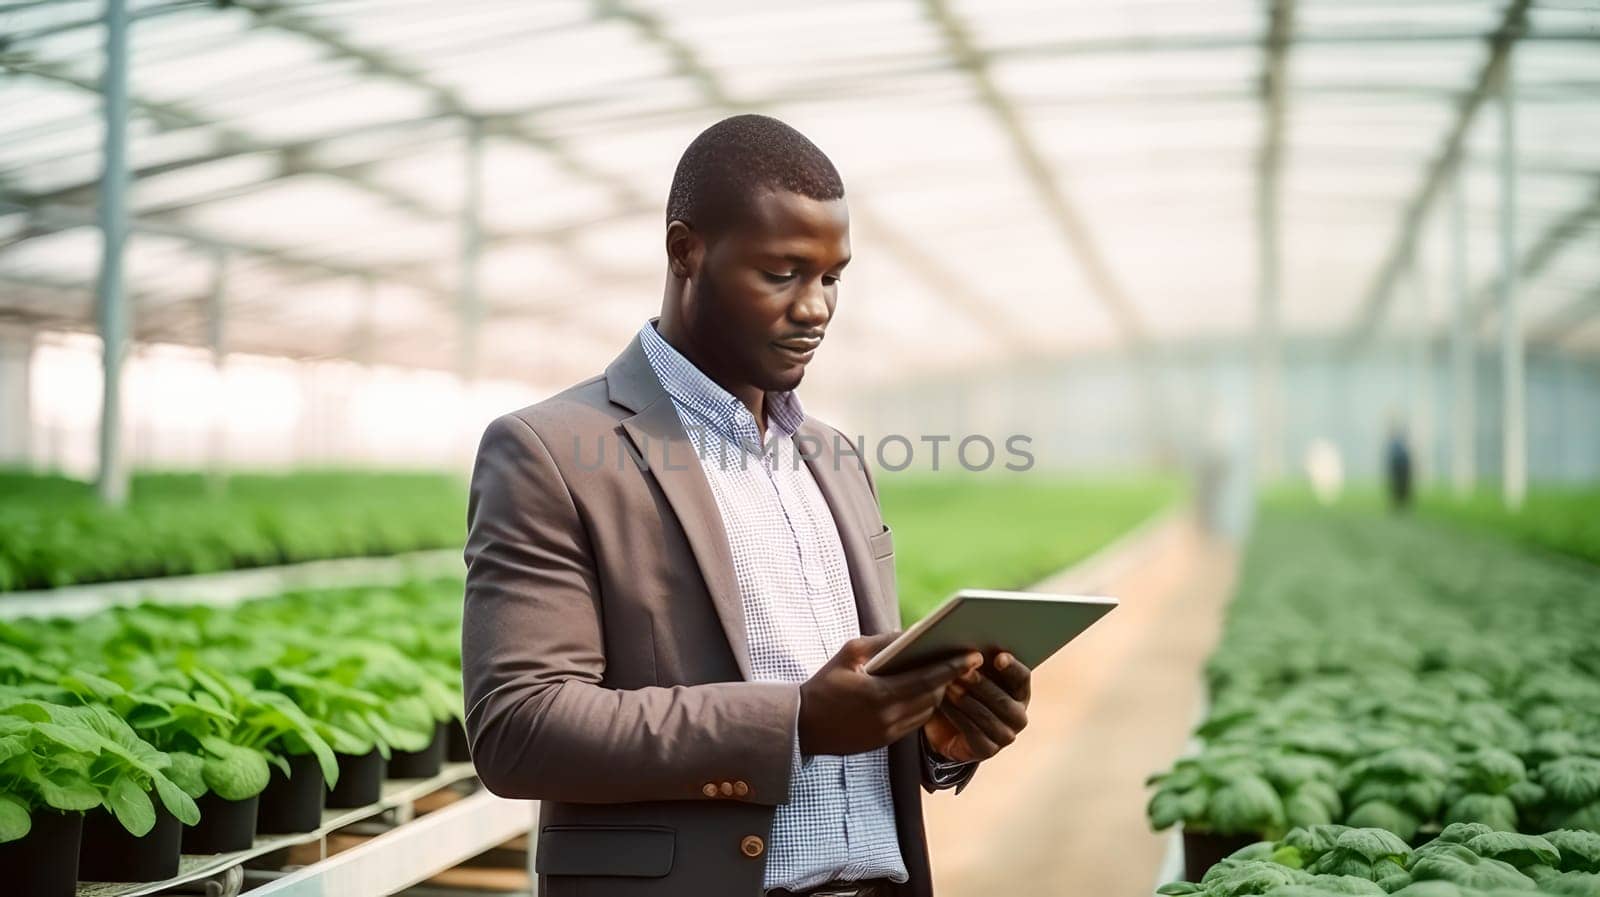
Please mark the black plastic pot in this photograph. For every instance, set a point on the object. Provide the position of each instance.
(292, 804)
(360, 780)
(1202, 850)
(109, 852)
(457, 750)
(44, 862)
(421, 764)
(224, 826)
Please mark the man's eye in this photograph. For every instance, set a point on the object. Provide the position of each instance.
(778, 278)
(829, 280)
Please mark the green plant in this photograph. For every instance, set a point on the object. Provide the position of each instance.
(54, 533)
(176, 701)
(74, 758)
(1237, 791)
(1465, 860)
(1561, 520)
(1388, 651)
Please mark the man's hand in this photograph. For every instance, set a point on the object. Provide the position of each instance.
(983, 711)
(846, 711)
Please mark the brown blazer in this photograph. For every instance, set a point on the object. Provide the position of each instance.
(604, 651)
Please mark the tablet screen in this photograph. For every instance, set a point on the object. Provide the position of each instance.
(1030, 625)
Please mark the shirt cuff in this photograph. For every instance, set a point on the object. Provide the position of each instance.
(797, 760)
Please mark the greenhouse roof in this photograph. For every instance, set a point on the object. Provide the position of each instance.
(1025, 178)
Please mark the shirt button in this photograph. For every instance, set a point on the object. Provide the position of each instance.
(709, 789)
(752, 846)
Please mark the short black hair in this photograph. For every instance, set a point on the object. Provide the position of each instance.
(739, 157)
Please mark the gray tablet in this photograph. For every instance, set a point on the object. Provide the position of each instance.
(1030, 625)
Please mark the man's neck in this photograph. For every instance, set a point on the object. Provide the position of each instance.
(753, 397)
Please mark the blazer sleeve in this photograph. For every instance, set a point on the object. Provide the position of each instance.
(541, 724)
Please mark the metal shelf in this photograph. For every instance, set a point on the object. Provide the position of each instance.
(480, 822)
(411, 853)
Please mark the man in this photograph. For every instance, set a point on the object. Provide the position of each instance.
(1397, 466)
(674, 577)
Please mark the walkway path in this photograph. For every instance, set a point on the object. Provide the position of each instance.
(1061, 813)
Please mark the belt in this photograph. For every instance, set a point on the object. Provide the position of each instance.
(875, 887)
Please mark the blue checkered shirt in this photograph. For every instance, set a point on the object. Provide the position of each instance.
(799, 609)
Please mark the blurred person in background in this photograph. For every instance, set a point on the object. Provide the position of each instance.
(668, 654)
(1397, 467)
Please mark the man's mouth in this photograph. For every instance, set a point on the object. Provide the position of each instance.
(798, 348)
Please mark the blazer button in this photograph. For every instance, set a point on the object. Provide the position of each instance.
(741, 789)
(709, 789)
(727, 789)
(752, 846)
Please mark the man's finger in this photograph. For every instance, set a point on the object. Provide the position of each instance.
(920, 705)
(864, 646)
(857, 651)
(910, 717)
(1006, 708)
(1013, 675)
(996, 729)
(929, 677)
(981, 745)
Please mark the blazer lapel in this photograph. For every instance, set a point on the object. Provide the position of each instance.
(834, 484)
(659, 439)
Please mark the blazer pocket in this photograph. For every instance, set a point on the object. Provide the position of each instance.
(882, 544)
(632, 851)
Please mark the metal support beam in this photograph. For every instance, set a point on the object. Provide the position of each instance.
(365, 347)
(1513, 373)
(689, 66)
(217, 310)
(944, 280)
(1463, 385)
(112, 482)
(1269, 196)
(66, 217)
(176, 116)
(1044, 178)
(471, 251)
(1512, 24)
(16, 397)
(289, 17)
(1541, 252)
(1421, 363)
(297, 157)
(216, 337)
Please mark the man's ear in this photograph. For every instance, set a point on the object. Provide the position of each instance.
(684, 249)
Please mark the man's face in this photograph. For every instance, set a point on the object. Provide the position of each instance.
(765, 289)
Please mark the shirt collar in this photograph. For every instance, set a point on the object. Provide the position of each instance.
(717, 408)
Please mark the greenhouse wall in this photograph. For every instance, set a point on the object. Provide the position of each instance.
(1087, 413)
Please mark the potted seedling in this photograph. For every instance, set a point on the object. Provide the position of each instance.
(239, 760)
(126, 835)
(349, 719)
(44, 789)
(1224, 801)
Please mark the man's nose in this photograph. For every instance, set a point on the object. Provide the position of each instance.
(811, 307)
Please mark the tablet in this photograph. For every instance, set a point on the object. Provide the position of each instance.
(1031, 626)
